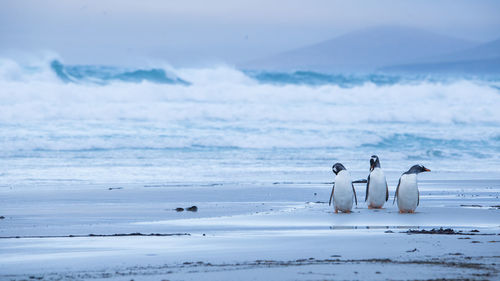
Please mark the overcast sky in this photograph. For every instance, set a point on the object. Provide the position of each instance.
(191, 32)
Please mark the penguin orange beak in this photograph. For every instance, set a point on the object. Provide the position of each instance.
(426, 170)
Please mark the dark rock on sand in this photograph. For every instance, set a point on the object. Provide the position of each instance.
(192, 209)
(98, 235)
(441, 230)
(179, 209)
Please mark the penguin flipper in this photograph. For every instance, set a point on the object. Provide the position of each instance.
(360, 181)
(367, 187)
(331, 195)
(397, 190)
(355, 197)
(386, 192)
(418, 197)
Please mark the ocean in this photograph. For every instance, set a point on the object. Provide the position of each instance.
(62, 125)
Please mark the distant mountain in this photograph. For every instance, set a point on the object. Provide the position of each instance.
(486, 66)
(490, 50)
(364, 50)
(481, 59)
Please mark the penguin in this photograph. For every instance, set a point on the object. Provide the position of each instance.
(407, 190)
(343, 190)
(377, 191)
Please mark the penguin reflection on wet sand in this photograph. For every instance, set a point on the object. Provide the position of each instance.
(343, 191)
(377, 192)
(407, 190)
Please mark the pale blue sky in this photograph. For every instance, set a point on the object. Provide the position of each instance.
(199, 32)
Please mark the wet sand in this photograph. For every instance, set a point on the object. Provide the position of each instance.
(281, 231)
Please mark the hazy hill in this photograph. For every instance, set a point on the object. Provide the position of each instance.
(481, 59)
(364, 50)
(485, 51)
(486, 66)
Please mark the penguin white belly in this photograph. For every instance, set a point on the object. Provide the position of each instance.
(343, 194)
(377, 189)
(408, 193)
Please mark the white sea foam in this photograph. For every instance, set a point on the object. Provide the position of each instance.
(224, 108)
(227, 94)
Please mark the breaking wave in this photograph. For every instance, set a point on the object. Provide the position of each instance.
(57, 111)
(106, 74)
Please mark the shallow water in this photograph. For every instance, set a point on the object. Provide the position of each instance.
(50, 232)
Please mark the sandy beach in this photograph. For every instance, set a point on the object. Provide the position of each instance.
(280, 231)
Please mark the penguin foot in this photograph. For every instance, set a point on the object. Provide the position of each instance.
(336, 211)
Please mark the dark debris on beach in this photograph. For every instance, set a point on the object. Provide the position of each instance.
(446, 231)
(98, 235)
(201, 266)
(189, 209)
(133, 234)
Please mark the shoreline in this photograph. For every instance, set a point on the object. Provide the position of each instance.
(282, 231)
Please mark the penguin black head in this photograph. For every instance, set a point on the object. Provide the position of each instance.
(337, 167)
(415, 169)
(374, 162)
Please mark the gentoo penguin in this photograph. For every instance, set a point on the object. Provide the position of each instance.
(343, 190)
(407, 190)
(377, 191)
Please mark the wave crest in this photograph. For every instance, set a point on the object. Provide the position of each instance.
(107, 74)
